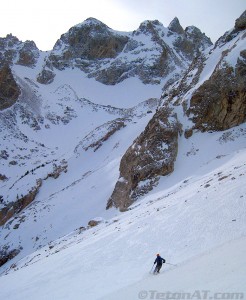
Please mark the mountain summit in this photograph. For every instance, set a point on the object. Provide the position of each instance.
(175, 26)
(149, 53)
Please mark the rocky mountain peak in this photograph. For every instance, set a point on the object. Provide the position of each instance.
(91, 40)
(8, 41)
(93, 22)
(175, 26)
(148, 26)
(240, 23)
(83, 35)
(199, 39)
(91, 26)
(111, 56)
(12, 50)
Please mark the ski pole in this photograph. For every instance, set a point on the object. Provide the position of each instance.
(171, 264)
(151, 269)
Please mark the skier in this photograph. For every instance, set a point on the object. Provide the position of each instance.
(158, 261)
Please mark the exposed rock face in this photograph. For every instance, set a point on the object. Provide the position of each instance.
(8, 47)
(190, 42)
(14, 51)
(90, 40)
(45, 76)
(152, 154)
(9, 90)
(111, 56)
(93, 40)
(15, 207)
(220, 103)
(175, 26)
(28, 54)
(58, 170)
(6, 255)
(240, 23)
(112, 128)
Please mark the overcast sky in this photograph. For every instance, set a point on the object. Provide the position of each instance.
(44, 21)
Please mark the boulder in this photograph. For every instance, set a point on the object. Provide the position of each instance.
(46, 76)
(95, 222)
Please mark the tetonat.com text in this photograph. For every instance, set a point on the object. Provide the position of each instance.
(196, 295)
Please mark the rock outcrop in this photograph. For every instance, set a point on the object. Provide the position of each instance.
(6, 255)
(175, 26)
(240, 23)
(9, 90)
(152, 155)
(28, 54)
(12, 51)
(220, 103)
(13, 208)
(46, 76)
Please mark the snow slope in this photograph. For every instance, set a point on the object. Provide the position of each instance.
(197, 224)
(66, 124)
(217, 274)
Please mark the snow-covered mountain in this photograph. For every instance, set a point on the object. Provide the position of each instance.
(150, 122)
(209, 97)
(151, 53)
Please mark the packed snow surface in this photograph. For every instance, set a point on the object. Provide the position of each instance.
(196, 224)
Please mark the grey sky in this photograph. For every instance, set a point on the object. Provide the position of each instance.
(45, 21)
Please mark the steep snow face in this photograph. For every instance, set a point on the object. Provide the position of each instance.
(197, 224)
